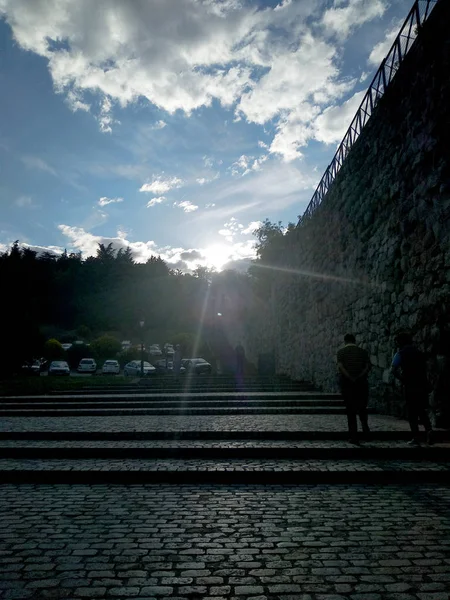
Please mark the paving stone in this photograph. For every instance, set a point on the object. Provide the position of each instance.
(248, 590)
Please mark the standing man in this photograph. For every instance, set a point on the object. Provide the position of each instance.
(353, 365)
(409, 366)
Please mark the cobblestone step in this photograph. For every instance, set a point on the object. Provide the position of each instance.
(178, 411)
(171, 403)
(221, 471)
(176, 395)
(255, 426)
(221, 450)
(189, 384)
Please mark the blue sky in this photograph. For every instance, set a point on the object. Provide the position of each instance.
(175, 126)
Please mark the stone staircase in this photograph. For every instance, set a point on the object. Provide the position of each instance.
(213, 429)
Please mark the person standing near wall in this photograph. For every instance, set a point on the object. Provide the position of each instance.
(353, 365)
(409, 366)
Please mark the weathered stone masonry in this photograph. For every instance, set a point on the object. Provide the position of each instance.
(378, 248)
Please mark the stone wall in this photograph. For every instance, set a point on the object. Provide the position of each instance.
(375, 257)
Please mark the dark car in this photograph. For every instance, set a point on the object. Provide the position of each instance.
(31, 368)
(198, 366)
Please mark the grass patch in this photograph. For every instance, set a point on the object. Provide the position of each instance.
(36, 386)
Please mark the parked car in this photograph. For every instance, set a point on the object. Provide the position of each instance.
(31, 368)
(87, 365)
(133, 368)
(161, 366)
(66, 346)
(168, 349)
(59, 367)
(111, 366)
(155, 350)
(196, 365)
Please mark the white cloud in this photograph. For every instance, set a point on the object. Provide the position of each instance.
(159, 185)
(241, 166)
(74, 101)
(155, 201)
(381, 49)
(344, 17)
(159, 125)
(251, 227)
(186, 205)
(176, 257)
(332, 124)
(274, 188)
(183, 54)
(246, 164)
(104, 201)
(105, 118)
(35, 162)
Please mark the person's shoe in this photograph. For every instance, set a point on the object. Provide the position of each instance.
(354, 441)
(414, 442)
(430, 437)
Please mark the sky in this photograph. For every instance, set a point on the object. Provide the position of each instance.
(175, 127)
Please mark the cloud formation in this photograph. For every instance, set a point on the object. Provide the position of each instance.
(183, 258)
(379, 52)
(186, 205)
(263, 62)
(104, 201)
(155, 201)
(161, 185)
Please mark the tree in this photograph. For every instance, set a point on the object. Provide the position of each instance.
(76, 352)
(84, 332)
(53, 349)
(106, 346)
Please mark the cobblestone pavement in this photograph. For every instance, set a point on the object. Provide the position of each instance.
(225, 542)
(248, 464)
(205, 444)
(197, 423)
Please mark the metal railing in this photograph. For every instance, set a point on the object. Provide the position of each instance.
(417, 16)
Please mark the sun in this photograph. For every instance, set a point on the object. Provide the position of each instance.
(217, 256)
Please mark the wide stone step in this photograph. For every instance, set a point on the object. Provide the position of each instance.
(177, 389)
(329, 450)
(180, 395)
(178, 411)
(179, 436)
(169, 403)
(222, 471)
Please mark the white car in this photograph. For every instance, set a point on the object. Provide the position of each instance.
(59, 367)
(155, 350)
(111, 366)
(134, 368)
(87, 365)
(66, 346)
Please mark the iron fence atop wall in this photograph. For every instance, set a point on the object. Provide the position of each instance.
(417, 16)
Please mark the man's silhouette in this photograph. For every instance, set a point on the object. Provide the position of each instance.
(353, 365)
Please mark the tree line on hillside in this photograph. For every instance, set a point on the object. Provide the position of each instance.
(68, 298)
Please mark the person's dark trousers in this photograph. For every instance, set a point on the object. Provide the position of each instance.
(417, 406)
(356, 395)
